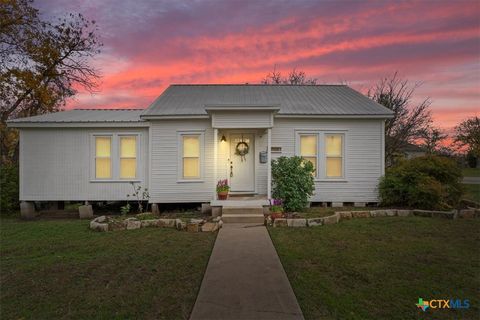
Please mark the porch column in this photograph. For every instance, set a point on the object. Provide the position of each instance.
(215, 156)
(269, 163)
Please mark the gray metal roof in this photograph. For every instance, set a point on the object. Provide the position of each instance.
(85, 115)
(179, 100)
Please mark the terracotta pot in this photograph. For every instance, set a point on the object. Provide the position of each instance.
(276, 215)
(223, 195)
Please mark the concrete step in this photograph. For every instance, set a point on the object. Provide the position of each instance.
(250, 214)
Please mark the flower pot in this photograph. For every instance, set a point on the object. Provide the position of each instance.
(223, 195)
(276, 215)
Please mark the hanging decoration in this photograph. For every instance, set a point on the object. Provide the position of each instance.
(242, 149)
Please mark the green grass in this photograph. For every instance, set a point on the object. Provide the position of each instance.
(472, 192)
(471, 172)
(378, 268)
(61, 269)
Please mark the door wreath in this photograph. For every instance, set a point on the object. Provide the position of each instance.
(242, 149)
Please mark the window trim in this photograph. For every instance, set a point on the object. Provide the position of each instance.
(201, 157)
(321, 173)
(115, 156)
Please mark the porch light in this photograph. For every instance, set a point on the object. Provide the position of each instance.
(223, 138)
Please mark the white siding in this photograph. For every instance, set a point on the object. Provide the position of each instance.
(242, 119)
(363, 156)
(55, 165)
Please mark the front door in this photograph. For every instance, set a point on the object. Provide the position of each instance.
(242, 162)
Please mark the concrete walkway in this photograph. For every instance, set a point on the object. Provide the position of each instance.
(245, 279)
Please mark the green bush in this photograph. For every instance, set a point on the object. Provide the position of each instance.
(429, 182)
(292, 182)
(8, 188)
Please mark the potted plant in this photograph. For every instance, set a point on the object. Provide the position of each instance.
(222, 189)
(276, 208)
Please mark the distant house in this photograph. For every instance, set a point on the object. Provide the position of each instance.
(190, 137)
(411, 151)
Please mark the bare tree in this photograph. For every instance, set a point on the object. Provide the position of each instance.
(432, 138)
(42, 63)
(410, 122)
(294, 77)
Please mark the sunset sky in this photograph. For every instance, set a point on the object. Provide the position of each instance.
(151, 44)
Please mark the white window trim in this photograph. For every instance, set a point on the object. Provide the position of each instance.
(321, 173)
(201, 138)
(115, 156)
(95, 156)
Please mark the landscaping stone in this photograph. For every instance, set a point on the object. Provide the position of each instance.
(466, 214)
(378, 213)
(155, 208)
(404, 213)
(422, 213)
(337, 204)
(315, 222)
(210, 227)
(85, 212)
(133, 224)
(268, 221)
(27, 210)
(331, 219)
(193, 227)
(206, 209)
(169, 223)
(280, 222)
(220, 224)
(180, 225)
(345, 215)
(359, 204)
(149, 223)
(391, 212)
(103, 227)
(100, 219)
(360, 214)
(297, 222)
(199, 221)
(216, 219)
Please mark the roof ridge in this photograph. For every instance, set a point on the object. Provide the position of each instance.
(257, 84)
(105, 109)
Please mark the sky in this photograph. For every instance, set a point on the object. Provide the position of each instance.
(149, 45)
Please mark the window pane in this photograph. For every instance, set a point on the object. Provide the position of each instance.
(334, 145)
(308, 145)
(102, 146)
(103, 168)
(128, 168)
(313, 160)
(191, 146)
(334, 167)
(128, 147)
(191, 168)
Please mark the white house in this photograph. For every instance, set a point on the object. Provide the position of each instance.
(187, 139)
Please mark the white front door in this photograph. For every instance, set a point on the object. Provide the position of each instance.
(242, 168)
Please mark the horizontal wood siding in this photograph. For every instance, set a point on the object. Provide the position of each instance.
(165, 186)
(363, 156)
(242, 119)
(55, 165)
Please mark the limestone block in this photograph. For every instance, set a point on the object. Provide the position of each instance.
(193, 227)
(27, 210)
(280, 222)
(297, 222)
(216, 211)
(85, 212)
(206, 209)
(361, 214)
(404, 213)
(314, 222)
(155, 208)
(133, 224)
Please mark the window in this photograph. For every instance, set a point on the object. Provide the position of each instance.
(103, 157)
(128, 157)
(308, 149)
(334, 155)
(191, 156)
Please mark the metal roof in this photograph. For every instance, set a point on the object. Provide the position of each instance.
(85, 115)
(178, 100)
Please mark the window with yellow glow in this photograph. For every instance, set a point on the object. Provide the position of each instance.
(334, 155)
(128, 157)
(308, 149)
(103, 157)
(191, 156)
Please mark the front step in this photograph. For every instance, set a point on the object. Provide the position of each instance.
(242, 214)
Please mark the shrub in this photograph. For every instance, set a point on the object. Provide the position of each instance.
(292, 182)
(8, 188)
(429, 182)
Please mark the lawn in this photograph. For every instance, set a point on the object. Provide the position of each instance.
(61, 269)
(379, 268)
(471, 172)
(472, 192)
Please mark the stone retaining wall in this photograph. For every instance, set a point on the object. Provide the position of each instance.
(347, 215)
(104, 224)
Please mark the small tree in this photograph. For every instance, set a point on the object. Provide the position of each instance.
(292, 182)
(467, 135)
(432, 138)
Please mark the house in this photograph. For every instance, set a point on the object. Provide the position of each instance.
(193, 135)
(410, 151)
